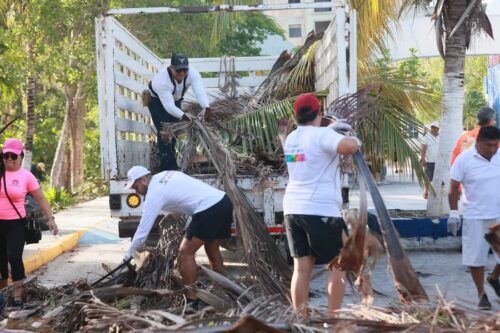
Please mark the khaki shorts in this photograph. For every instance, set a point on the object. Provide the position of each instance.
(475, 248)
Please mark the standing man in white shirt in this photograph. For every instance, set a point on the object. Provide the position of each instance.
(478, 170)
(430, 148)
(313, 201)
(167, 88)
(178, 193)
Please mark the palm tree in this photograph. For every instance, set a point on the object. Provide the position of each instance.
(456, 22)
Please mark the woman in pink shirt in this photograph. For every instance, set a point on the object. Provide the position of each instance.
(15, 183)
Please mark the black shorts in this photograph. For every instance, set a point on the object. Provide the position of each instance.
(212, 223)
(429, 169)
(317, 236)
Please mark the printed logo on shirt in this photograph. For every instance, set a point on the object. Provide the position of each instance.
(297, 157)
(165, 179)
(15, 183)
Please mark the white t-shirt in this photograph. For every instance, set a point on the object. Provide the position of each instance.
(480, 179)
(314, 174)
(432, 143)
(163, 87)
(173, 192)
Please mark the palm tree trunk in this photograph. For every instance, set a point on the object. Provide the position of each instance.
(452, 107)
(30, 112)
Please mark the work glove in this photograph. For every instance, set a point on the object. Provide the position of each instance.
(341, 126)
(453, 222)
(185, 117)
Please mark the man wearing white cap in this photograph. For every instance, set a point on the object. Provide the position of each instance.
(175, 192)
(430, 148)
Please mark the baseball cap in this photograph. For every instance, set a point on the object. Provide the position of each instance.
(179, 61)
(12, 146)
(485, 113)
(135, 173)
(306, 104)
(435, 124)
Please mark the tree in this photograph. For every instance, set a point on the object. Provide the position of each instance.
(456, 21)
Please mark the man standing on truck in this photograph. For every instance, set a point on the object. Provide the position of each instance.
(177, 193)
(167, 89)
(478, 170)
(312, 202)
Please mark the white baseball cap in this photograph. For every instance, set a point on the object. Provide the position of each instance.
(435, 124)
(135, 173)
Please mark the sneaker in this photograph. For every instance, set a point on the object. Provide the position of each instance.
(484, 303)
(495, 284)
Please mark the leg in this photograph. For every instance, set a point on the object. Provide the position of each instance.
(4, 264)
(335, 289)
(302, 269)
(477, 274)
(166, 150)
(188, 268)
(15, 247)
(214, 256)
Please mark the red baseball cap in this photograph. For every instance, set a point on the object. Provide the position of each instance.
(12, 146)
(306, 104)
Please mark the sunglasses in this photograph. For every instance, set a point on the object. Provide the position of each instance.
(12, 156)
(183, 70)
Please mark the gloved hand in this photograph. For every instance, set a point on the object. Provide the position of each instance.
(185, 117)
(341, 126)
(453, 222)
(207, 114)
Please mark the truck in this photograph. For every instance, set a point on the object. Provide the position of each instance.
(125, 66)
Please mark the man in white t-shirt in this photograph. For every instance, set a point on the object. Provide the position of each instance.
(313, 200)
(178, 193)
(478, 170)
(167, 88)
(430, 146)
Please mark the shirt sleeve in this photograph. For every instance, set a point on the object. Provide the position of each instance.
(197, 83)
(329, 141)
(163, 90)
(425, 140)
(150, 212)
(31, 182)
(457, 169)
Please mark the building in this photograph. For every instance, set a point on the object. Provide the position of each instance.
(298, 23)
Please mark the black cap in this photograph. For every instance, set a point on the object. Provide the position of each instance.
(486, 113)
(179, 61)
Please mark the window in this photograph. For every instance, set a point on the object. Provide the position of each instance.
(319, 10)
(321, 26)
(295, 31)
(293, 1)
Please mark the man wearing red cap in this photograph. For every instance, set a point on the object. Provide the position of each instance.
(313, 200)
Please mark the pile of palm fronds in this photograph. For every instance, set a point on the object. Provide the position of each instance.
(231, 308)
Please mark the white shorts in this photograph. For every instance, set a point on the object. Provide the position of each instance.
(474, 247)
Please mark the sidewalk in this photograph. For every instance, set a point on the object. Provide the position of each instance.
(73, 223)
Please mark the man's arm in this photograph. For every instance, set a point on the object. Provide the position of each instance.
(424, 153)
(348, 146)
(454, 194)
(198, 88)
(149, 215)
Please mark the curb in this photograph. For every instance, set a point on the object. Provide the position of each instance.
(48, 254)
